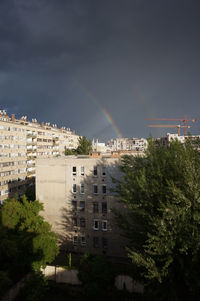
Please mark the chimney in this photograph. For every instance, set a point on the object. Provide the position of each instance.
(13, 117)
(73, 132)
(42, 124)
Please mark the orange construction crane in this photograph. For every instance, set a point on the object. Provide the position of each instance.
(184, 120)
(169, 126)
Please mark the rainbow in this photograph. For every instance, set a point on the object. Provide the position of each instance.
(112, 122)
(103, 110)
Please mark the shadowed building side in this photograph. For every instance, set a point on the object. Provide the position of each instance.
(78, 201)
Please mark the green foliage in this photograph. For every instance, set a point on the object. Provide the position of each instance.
(194, 141)
(83, 148)
(97, 275)
(5, 282)
(161, 195)
(35, 288)
(70, 152)
(27, 242)
(30, 193)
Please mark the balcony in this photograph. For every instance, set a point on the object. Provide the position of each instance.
(32, 134)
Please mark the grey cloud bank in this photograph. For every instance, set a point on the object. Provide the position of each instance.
(139, 59)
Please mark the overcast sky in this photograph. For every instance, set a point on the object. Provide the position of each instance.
(69, 61)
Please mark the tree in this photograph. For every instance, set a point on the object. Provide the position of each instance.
(97, 275)
(161, 196)
(83, 148)
(27, 242)
(70, 152)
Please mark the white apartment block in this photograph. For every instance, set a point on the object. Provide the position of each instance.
(170, 137)
(99, 146)
(78, 201)
(125, 144)
(21, 142)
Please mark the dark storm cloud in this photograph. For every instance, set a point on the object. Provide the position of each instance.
(139, 58)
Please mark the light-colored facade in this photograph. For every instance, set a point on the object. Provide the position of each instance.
(135, 144)
(171, 137)
(78, 201)
(21, 142)
(99, 146)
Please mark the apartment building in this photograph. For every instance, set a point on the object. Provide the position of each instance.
(78, 199)
(134, 144)
(165, 141)
(99, 146)
(21, 142)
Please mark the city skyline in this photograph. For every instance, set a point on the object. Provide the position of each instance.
(101, 68)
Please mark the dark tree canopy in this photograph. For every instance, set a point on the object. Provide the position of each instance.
(161, 195)
(26, 240)
(97, 275)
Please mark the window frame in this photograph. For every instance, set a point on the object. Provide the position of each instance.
(103, 171)
(104, 245)
(83, 243)
(102, 209)
(95, 185)
(95, 242)
(82, 172)
(104, 222)
(74, 205)
(74, 221)
(82, 222)
(82, 186)
(95, 207)
(82, 208)
(104, 186)
(96, 221)
(75, 240)
(74, 172)
(74, 185)
(95, 171)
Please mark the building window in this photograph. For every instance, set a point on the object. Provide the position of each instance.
(82, 170)
(82, 189)
(74, 188)
(104, 189)
(74, 205)
(104, 243)
(104, 225)
(75, 240)
(82, 222)
(104, 207)
(83, 241)
(74, 222)
(95, 188)
(103, 171)
(95, 207)
(96, 224)
(82, 205)
(95, 171)
(95, 242)
(74, 170)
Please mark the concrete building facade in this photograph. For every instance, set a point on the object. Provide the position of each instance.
(21, 142)
(78, 200)
(165, 140)
(125, 144)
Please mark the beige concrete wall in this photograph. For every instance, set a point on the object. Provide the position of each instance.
(125, 281)
(54, 181)
(62, 275)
